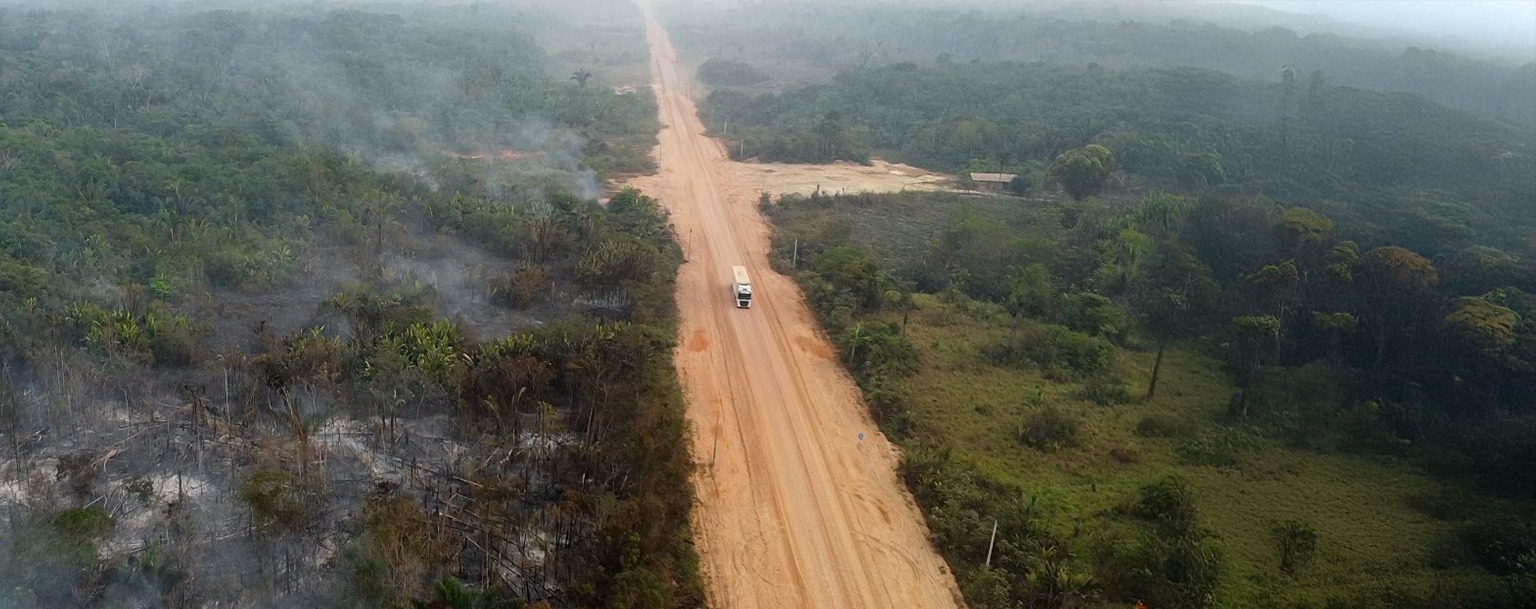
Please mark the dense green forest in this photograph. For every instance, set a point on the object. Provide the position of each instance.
(317, 308)
(1000, 116)
(1391, 168)
(820, 40)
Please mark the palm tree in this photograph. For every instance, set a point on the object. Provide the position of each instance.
(581, 77)
(1288, 76)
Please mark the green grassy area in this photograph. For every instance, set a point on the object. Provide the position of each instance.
(1370, 539)
(898, 228)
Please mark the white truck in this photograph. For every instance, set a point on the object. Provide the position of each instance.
(742, 288)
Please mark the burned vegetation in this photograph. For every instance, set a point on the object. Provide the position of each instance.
(282, 366)
(366, 449)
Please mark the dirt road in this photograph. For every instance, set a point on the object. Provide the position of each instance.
(797, 510)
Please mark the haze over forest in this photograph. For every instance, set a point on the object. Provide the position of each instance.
(1492, 24)
(380, 304)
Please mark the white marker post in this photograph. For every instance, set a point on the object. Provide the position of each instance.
(989, 543)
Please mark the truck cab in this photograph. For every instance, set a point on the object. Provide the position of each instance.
(742, 287)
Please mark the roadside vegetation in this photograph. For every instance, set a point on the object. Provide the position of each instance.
(319, 308)
(1140, 427)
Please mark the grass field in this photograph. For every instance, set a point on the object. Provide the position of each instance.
(1370, 538)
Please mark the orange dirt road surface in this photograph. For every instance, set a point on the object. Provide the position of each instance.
(797, 512)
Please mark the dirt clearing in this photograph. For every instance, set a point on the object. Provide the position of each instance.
(835, 179)
(799, 503)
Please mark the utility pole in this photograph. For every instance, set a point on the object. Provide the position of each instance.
(794, 259)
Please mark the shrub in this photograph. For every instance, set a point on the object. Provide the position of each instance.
(1082, 353)
(833, 307)
(1296, 541)
(140, 488)
(1522, 580)
(83, 525)
(1192, 567)
(1092, 314)
(370, 311)
(1048, 346)
(889, 407)
(398, 538)
(1049, 430)
(275, 500)
(1163, 426)
(875, 350)
(855, 276)
(1019, 184)
(986, 589)
(1031, 291)
(1218, 448)
(157, 336)
(1170, 503)
(1175, 563)
(1161, 570)
(526, 286)
(1104, 391)
(615, 265)
(1124, 456)
(173, 341)
(78, 471)
(1497, 544)
(226, 268)
(730, 72)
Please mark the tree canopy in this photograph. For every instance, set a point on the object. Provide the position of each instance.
(1082, 171)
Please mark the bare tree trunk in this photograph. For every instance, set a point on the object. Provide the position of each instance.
(1157, 369)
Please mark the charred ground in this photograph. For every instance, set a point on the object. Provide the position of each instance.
(266, 344)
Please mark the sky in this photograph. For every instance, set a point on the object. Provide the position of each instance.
(1493, 22)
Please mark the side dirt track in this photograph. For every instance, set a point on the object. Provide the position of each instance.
(795, 511)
